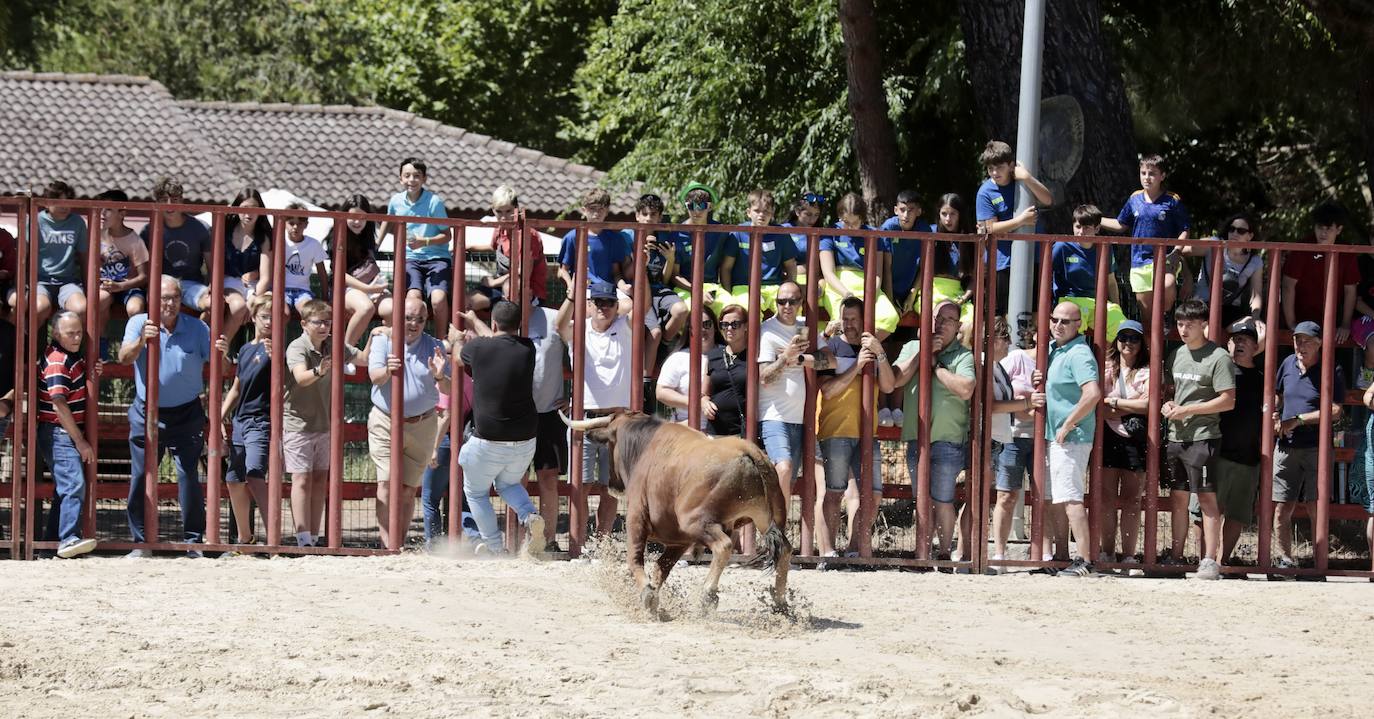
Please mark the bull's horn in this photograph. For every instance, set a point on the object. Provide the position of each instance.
(585, 425)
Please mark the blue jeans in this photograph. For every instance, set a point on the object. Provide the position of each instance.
(181, 431)
(947, 460)
(1013, 463)
(434, 492)
(596, 462)
(59, 453)
(842, 457)
(504, 464)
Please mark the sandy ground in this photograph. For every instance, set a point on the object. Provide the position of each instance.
(426, 636)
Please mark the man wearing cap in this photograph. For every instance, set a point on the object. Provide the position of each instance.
(1203, 378)
(951, 390)
(1296, 422)
(1071, 394)
(1238, 452)
(606, 381)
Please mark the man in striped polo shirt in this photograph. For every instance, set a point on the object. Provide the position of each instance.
(61, 441)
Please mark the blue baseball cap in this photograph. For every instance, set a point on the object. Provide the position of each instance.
(601, 291)
(1130, 326)
(1309, 328)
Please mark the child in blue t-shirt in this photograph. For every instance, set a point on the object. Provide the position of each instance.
(842, 266)
(906, 253)
(429, 251)
(994, 206)
(608, 251)
(807, 211)
(778, 259)
(62, 242)
(1074, 268)
(1151, 212)
(699, 200)
(667, 313)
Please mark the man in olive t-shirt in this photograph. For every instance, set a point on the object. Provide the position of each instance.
(1203, 377)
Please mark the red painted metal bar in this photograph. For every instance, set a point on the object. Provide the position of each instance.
(1215, 331)
(640, 303)
(988, 310)
(30, 353)
(1271, 367)
(1154, 434)
(396, 475)
(694, 384)
(153, 380)
(577, 507)
(457, 407)
(333, 522)
(19, 461)
(868, 393)
(93, 333)
(214, 460)
(925, 364)
(277, 359)
(526, 272)
(751, 400)
(975, 483)
(1097, 492)
(808, 471)
(1321, 524)
(1040, 472)
(519, 286)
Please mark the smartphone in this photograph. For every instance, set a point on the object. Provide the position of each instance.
(802, 331)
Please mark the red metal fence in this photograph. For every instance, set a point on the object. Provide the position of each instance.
(24, 487)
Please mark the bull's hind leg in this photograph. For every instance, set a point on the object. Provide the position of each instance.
(667, 561)
(636, 538)
(721, 545)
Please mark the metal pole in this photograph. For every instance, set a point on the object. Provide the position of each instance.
(808, 472)
(640, 302)
(153, 382)
(93, 332)
(925, 370)
(577, 508)
(1271, 367)
(1321, 522)
(214, 460)
(982, 394)
(1028, 154)
(1097, 491)
(751, 388)
(1040, 472)
(694, 354)
(396, 475)
(456, 404)
(334, 501)
(1215, 331)
(1154, 433)
(30, 341)
(520, 296)
(277, 365)
(988, 310)
(868, 393)
(20, 460)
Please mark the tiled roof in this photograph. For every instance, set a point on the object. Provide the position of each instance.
(118, 131)
(97, 132)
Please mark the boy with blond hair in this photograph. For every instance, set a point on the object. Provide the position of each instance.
(778, 256)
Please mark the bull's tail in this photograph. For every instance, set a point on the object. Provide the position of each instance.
(774, 549)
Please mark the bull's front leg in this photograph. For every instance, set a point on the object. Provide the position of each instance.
(637, 536)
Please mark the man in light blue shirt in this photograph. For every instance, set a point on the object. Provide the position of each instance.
(424, 372)
(185, 348)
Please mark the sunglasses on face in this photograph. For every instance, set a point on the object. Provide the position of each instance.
(414, 320)
(697, 205)
(1237, 230)
(788, 301)
(602, 303)
(731, 325)
(1063, 320)
(1129, 338)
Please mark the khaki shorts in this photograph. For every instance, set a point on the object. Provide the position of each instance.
(305, 451)
(418, 446)
(1237, 490)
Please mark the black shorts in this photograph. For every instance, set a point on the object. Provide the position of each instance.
(551, 443)
(661, 302)
(1192, 466)
(429, 275)
(1122, 452)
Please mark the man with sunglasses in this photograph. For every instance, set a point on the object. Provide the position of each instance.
(606, 381)
(1070, 394)
(782, 387)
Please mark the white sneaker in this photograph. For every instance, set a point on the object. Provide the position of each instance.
(75, 546)
(138, 554)
(1134, 570)
(995, 571)
(1208, 569)
(897, 417)
(534, 536)
(884, 417)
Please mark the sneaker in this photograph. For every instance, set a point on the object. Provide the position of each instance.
(897, 417)
(1104, 558)
(1283, 563)
(884, 417)
(534, 526)
(1208, 569)
(139, 554)
(194, 554)
(75, 547)
(1078, 568)
(827, 566)
(1134, 569)
(992, 571)
(552, 547)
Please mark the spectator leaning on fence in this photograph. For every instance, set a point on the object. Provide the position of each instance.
(699, 200)
(505, 208)
(842, 265)
(429, 247)
(667, 313)
(185, 247)
(675, 376)
(505, 424)
(301, 254)
(185, 347)
(1304, 275)
(424, 373)
(1203, 378)
(366, 289)
(246, 420)
(777, 262)
(1071, 396)
(782, 386)
(1238, 453)
(951, 388)
(723, 403)
(608, 251)
(995, 206)
(606, 383)
(245, 238)
(1125, 435)
(1242, 271)
(62, 243)
(1013, 399)
(61, 434)
(1075, 272)
(1297, 422)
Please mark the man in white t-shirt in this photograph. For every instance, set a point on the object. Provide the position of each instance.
(782, 386)
(606, 381)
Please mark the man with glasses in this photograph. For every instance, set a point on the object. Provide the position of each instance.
(184, 349)
(424, 373)
(606, 381)
(185, 246)
(782, 388)
(1071, 394)
(1203, 378)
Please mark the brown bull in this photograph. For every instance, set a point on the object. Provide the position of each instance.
(682, 488)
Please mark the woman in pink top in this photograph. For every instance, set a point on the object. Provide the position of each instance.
(1127, 381)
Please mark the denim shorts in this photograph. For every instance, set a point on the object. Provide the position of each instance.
(295, 294)
(428, 276)
(947, 460)
(783, 442)
(192, 292)
(842, 458)
(248, 453)
(1013, 463)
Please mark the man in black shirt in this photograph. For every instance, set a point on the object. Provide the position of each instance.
(505, 422)
(1238, 454)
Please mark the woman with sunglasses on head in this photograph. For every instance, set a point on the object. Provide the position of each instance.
(1126, 402)
(1242, 272)
(727, 367)
(675, 376)
(807, 211)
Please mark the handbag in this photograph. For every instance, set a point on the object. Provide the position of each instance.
(1137, 426)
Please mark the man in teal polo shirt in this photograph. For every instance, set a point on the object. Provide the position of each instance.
(1071, 396)
(952, 367)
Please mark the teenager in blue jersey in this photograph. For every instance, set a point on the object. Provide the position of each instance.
(608, 252)
(1074, 269)
(1152, 212)
(906, 253)
(807, 211)
(995, 206)
(778, 259)
(842, 265)
(699, 200)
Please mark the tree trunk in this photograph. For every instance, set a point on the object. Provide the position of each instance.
(1076, 64)
(875, 142)
(1351, 25)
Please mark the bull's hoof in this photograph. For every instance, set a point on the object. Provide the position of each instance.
(648, 598)
(709, 601)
